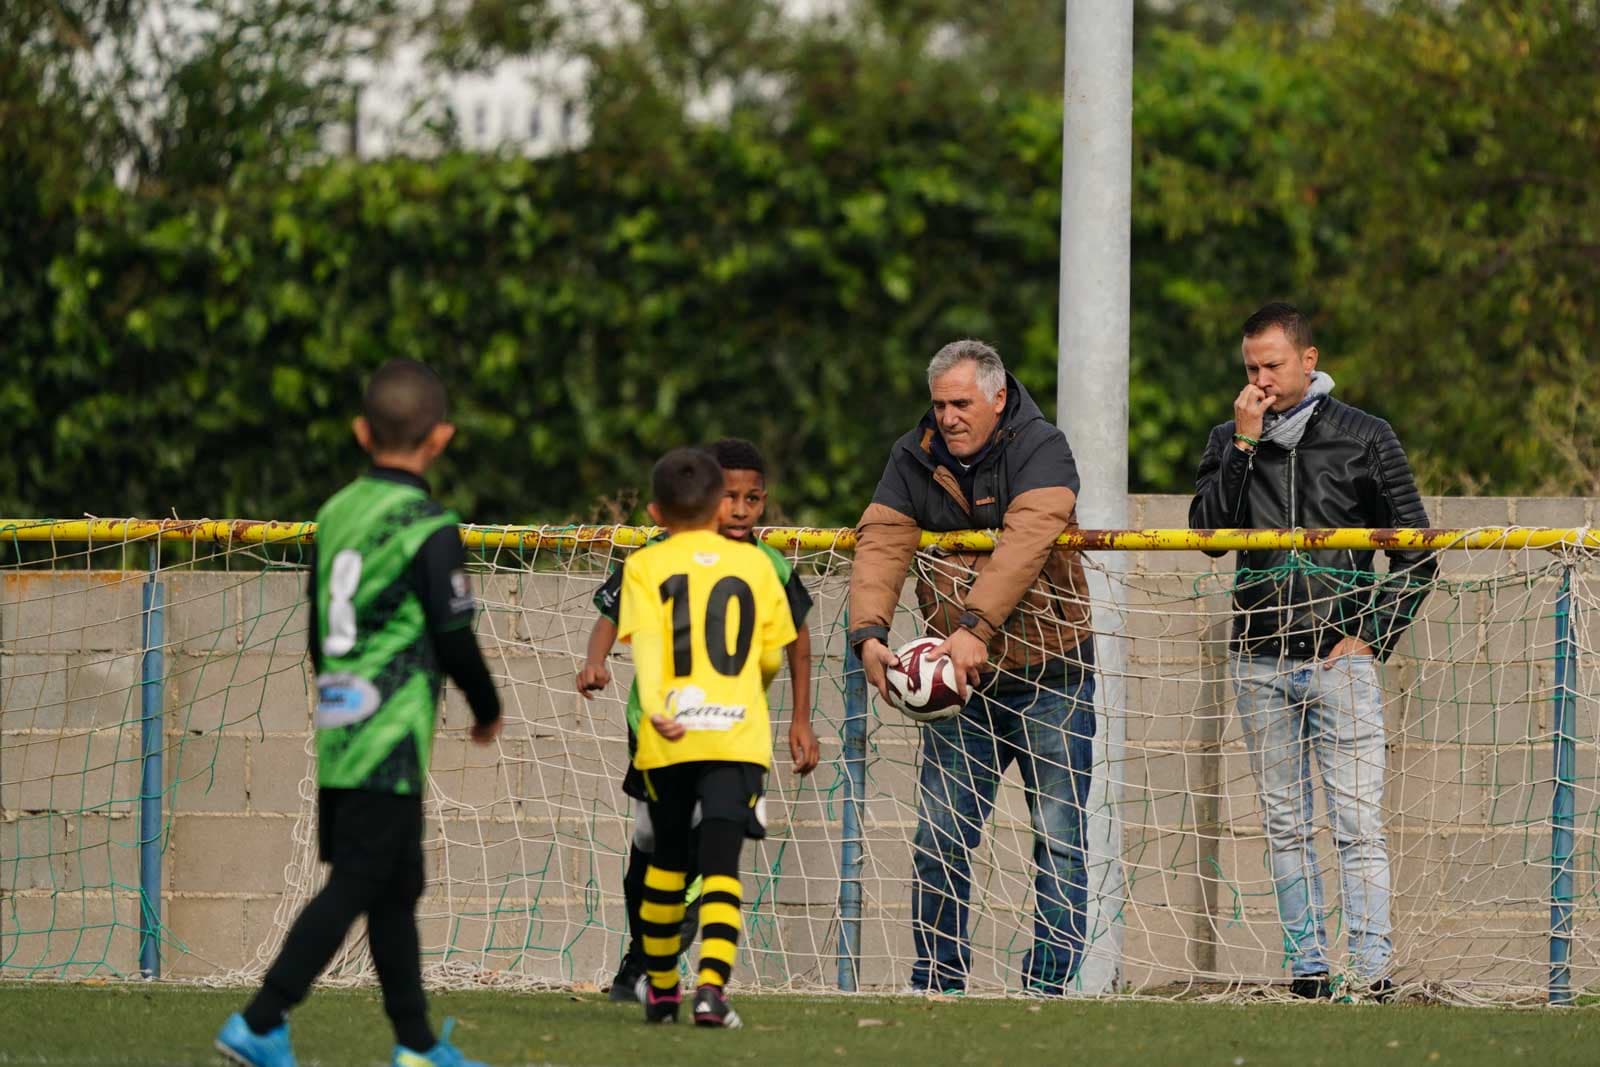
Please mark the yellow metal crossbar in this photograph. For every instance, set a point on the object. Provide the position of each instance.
(812, 539)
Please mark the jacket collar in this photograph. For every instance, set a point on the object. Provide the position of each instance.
(1318, 416)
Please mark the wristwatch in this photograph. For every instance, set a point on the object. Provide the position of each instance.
(969, 620)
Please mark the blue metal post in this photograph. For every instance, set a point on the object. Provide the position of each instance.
(152, 698)
(850, 852)
(1561, 805)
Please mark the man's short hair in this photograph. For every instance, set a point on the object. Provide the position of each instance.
(1295, 326)
(737, 454)
(404, 401)
(991, 371)
(686, 485)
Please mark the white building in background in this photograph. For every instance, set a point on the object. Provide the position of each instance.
(529, 107)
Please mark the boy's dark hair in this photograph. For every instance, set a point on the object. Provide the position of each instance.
(1296, 327)
(737, 454)
(404, 401)
(686, 485)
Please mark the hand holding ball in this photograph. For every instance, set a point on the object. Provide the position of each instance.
(920, 685)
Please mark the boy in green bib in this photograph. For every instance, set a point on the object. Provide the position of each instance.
(391, 616)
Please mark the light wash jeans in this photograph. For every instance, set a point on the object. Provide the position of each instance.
(1050, 736)
(1292, 710)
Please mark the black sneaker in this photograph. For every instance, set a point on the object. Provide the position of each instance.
(1383, 990)
(628, 986)
(1312, 987)
(711, 1008)
(661, 1007)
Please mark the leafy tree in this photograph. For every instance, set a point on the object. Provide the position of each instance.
(1224, 219)
(1460, 146)
(774, 225)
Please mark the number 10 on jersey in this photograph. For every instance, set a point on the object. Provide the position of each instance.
(713, 627)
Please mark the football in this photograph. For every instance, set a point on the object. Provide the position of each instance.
(921, 686)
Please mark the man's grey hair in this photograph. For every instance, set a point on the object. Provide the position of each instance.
(991, 371)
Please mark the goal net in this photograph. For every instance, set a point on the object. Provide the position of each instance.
(157, 789)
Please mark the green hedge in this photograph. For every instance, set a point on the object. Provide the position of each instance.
(202, 351)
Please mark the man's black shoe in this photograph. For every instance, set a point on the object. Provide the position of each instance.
(1312, 987)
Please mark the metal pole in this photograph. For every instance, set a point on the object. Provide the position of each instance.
(152, 699)
(1561, 804)
(1092, 405)
(850, 851)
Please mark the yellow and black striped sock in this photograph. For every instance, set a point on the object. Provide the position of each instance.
(660, 916)
(719, 928)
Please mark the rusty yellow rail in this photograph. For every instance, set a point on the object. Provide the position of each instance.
(812, 539)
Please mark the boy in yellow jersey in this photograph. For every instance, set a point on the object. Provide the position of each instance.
(702, 613)
(744, 483)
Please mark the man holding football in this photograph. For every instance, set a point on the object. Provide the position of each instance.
(1015, 624)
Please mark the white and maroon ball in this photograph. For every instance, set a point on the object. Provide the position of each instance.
(920, 685)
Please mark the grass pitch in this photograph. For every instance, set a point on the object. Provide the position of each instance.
(174, 1025)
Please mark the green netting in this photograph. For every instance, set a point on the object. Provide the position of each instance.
(526, 842)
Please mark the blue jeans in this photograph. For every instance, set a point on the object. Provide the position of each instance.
(1291, 711)
(1050, 736)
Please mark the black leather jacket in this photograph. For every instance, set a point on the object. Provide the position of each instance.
(1348, 470)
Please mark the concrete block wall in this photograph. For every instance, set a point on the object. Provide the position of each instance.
(526, 842)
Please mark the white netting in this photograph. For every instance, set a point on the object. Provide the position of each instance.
(527, 840)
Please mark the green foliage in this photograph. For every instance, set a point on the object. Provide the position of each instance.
(587, 319)
(1460, 150)
(1223, 221)
(1417, 177)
